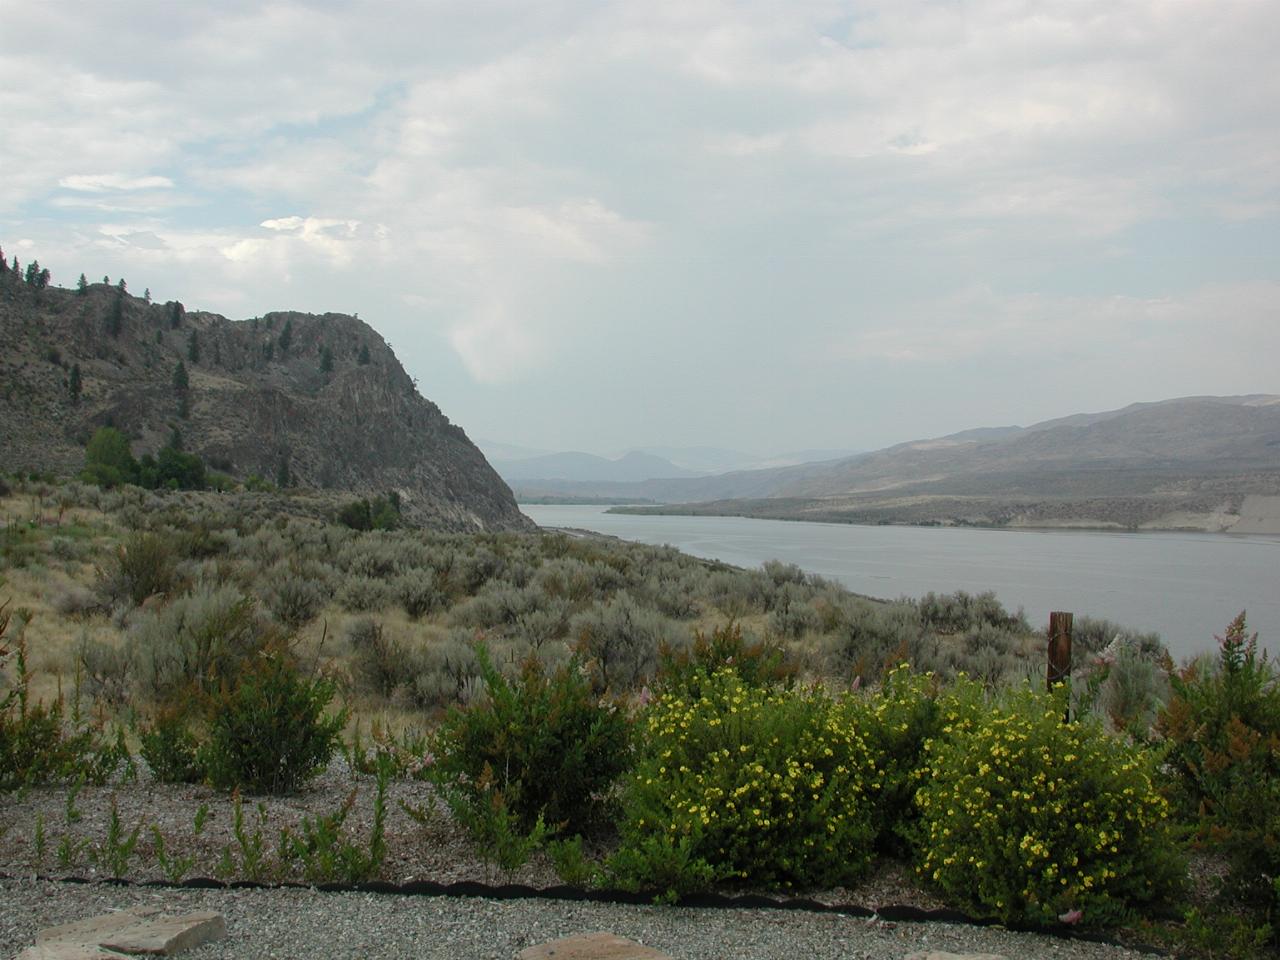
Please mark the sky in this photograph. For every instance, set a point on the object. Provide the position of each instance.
(765, 226)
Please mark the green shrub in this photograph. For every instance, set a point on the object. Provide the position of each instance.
(268, 732)
(898, 719)
(743, 783)
(1222, 729)
(38, 744)
(684, 670)
(541, 747)
(1026, 818)
(142, 567)
(170, 747)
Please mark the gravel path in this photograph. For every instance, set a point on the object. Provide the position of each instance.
(300, 923)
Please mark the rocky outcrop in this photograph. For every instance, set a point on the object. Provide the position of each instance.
(319, 400)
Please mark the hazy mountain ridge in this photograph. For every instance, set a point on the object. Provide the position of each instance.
(573, 465)
(1189, 462)
(319, 397)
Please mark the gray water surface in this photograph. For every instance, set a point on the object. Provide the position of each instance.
(1185, 586)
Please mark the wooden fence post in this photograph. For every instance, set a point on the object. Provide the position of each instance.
(1059, 651)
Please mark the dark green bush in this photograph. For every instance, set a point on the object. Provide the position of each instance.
(542, 747)
(170, 747)
(1222, 730)
(268, 732)
(143, 566)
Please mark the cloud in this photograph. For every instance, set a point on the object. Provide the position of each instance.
(107, 182)
(1209, 323)
(512, 190)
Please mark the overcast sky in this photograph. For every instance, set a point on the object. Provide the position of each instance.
(767, 226)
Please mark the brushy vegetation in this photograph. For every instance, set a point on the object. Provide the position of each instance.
(689, 723)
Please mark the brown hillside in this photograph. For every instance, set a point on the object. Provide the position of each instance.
(322, 395)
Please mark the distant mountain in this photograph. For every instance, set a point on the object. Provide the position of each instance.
(321, 398)
(586, 467)
(1195, 458)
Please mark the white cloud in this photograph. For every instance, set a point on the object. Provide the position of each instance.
(522, 183)
(106, 182)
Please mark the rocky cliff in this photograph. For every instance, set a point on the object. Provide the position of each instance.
(321, 400)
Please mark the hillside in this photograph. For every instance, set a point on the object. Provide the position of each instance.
(1207, 463)
(321, 400)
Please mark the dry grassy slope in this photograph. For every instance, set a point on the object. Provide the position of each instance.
(1140, 450)
(361, 427)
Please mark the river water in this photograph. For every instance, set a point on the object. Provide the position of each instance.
(1185, 586)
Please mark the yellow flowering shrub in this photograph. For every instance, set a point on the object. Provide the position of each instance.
(1029, 819)
(746, 784)
(898, 718)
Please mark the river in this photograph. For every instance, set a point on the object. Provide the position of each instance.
(1185, 586)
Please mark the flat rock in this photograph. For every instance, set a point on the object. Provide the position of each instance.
(943, 955)
(68, 951)
(591, 946)
(167, 935)
(127, 933)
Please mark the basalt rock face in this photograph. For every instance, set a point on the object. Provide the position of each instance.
(319, 400)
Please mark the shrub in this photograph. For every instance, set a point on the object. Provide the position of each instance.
(379, 663)
(142, 567)
(37, 744)
(684, 670)
(542, 748)
(359, 594)
(268, 732)
(1222, 728)
(621, 641)
(417, 593)
(759, 786)
(898, 719)
(446, 673)
(875, 637)
(170, 748)
(103, 670)
(1025, 817)
(196, 642)
(960, 611)
(294, 600)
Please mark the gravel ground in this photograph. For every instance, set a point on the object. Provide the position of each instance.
(298, 923)
(288, 923)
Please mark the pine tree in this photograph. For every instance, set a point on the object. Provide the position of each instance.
(75, 384)
(286, 337)
(181, 382)
(364, 354)
(326, 359)
(193, 347)
(146, 295)
(82, 285)
(121, 286)
(115, 316)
